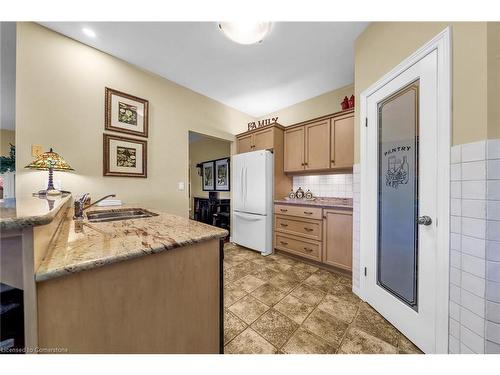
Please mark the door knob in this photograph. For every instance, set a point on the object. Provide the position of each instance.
(424, 220)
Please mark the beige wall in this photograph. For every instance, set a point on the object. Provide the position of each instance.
(60, 104)
(383, 45)
(315, 107)
(493, 79)
(203, 150)
(6, 137)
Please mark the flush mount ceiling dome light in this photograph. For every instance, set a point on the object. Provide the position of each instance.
(245, 32)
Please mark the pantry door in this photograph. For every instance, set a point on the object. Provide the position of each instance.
(401, 256)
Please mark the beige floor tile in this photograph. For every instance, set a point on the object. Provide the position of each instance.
(248, 309)
(319, 280)
(304, 342)
(232, 274)
(360, 342)
(374, 324)
(248, 283)
(320, 303)
(275, 327)
(284, 282)
(232, 295)
(327, 327)
(233, 326)
(283, 259)
(339, 307)
(268, 294)
(306, 267)
(294, 308)
(308, 294)
(265, 273)
(280, 267)
(297, 273)
(249, 342)
(405, 346)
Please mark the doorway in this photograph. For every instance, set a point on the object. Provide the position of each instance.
(209, 180)
(405, 146)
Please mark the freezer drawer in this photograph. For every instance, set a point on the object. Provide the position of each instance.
(253, 231)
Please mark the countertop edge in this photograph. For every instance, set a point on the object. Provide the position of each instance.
(34, 221)
(91, 264)
(311, 204)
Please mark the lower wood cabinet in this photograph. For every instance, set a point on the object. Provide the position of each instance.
(322, 235)
(337, 238)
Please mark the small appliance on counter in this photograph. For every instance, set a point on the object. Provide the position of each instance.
(253, 200)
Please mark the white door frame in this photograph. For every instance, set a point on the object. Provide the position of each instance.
(442, 44)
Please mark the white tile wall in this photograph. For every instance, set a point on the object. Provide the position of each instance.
(332, 185)
(492, 253)
(475, 260)
(356, 202)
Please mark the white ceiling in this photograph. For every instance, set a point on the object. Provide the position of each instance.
(297, 61)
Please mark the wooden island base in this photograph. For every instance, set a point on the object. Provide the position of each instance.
(161, 303)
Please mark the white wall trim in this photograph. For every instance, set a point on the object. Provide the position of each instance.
(442, 44)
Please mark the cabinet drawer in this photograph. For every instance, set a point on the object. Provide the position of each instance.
(300, 211)
(300, 227)
(297, 246)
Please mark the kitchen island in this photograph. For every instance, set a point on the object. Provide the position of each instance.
(148, 285)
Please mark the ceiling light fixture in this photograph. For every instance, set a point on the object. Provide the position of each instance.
(245, 32)
(89, 32)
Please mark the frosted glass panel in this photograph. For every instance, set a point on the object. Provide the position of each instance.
(398, 195)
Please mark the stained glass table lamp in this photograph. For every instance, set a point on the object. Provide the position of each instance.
(50, 161)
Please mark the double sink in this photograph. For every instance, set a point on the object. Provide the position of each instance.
(118, 214)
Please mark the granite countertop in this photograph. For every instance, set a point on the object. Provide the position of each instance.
(99, 244)
(19, 213)
(318, 202)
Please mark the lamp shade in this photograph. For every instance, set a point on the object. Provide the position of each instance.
(49, 160)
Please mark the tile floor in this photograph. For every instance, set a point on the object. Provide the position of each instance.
(277, 304)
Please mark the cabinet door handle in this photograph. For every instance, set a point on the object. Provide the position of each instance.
(283, 225)
(308, 229)
(283, 210)
(308, 212)
(308, 249)
(333, 161)
(283, 243)
(306, 163)
(302, 164)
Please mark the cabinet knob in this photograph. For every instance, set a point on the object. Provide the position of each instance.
(308, 229)
(283, 243)
(308, 249)
(308, 212)
(333, 161)
(283, 225)
(283, 210)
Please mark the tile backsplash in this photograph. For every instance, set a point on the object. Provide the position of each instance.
(326, 185)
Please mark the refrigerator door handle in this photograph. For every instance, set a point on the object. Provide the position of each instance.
(246, 185)
(248, 217)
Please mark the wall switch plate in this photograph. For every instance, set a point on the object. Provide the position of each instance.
(181, 186)
(36, 150)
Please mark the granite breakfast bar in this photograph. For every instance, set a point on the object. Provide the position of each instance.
(148, 285)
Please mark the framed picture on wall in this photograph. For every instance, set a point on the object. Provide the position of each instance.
(222, 176)
(207, 176)
(124, 157)
(125, 113)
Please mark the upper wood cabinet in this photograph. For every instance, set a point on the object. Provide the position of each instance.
(337, 238)
(294, 150)
(342, 142)
(317, 152)
(268, 138)
(245, 143)
(263, 139)
(323, 144)
(259, 140)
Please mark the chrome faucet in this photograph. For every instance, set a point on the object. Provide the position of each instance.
(80, 204)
